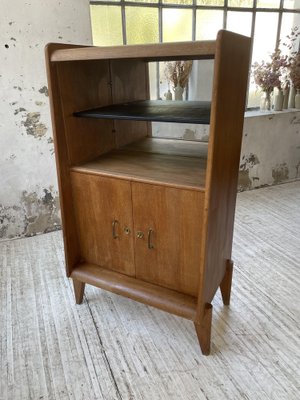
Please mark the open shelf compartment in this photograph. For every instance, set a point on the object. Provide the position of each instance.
(176, 163)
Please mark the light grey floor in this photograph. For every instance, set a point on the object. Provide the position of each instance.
(113, 348)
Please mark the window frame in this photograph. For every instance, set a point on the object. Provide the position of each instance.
(195, 7)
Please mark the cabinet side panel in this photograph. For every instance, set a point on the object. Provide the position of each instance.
(174, 216)
(98, 202)
(227, 117)
(72, 255)
(85, 85)
(130, 82)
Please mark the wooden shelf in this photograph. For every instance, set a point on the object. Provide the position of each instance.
(144, 292)
(169, 162)
(187, 112)
(149, 52)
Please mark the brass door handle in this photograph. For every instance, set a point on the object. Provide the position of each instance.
(114, 235)
(150, 245)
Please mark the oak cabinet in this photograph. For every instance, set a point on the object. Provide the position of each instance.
(148, 218)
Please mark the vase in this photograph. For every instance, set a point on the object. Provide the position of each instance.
(278, 100)
(286, 92)
(265, 102)
(292, 97)
(168, 95)
(178, 92)
(297, 99)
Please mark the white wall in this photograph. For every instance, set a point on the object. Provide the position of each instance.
(28, 186)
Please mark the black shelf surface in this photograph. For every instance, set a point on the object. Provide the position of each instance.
(192, 112)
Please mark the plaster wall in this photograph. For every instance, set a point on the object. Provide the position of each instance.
(28, 185)
(270, 149)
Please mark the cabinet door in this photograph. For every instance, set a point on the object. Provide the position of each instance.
(168, 224)
(103, 212)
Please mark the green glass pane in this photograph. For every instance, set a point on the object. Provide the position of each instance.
(141, 25)
(183, 2)
(239, 22)
(292, 4)
(240, 3)
(208, 23)
(218, 3)
(177, 25)
(106, 25)
(268, 3)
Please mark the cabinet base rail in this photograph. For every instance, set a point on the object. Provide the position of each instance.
(164, 299)
(135, 289)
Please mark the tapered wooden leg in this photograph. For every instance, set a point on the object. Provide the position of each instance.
(78, 290)
(203, 329)
(225, 285)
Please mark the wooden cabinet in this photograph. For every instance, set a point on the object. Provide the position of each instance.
(148, 218)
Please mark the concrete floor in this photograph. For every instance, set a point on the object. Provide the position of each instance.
(113, 348)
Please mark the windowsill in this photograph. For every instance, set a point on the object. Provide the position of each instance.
(258, 113)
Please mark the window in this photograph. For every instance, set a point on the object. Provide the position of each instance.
(117, 22)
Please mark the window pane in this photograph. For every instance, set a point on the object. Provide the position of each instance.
(208, 23)
(177, 25)
(218, 3)
(240, 3)
(268, 3)
(264, 44)
(289, 21)
(292, 4)
(106, 25)
(264, 35)
(239, 22)
(141, 25)
(188, 2)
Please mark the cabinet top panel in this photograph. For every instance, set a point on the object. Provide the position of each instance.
(150, 52)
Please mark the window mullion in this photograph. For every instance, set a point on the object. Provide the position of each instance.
(225, 14)
(279, 24)
(123, 21)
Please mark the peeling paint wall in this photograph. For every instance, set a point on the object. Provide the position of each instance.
(270, 149)
(28, 186)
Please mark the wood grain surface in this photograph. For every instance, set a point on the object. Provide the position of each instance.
(174, 259)
(149, 52)
(98, 202)
(139, 290)
(166, 169)
(227, 117)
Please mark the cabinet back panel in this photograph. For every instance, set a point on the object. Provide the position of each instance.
(98, 202)
(175, 216)
(130, 82)
(85, 85)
